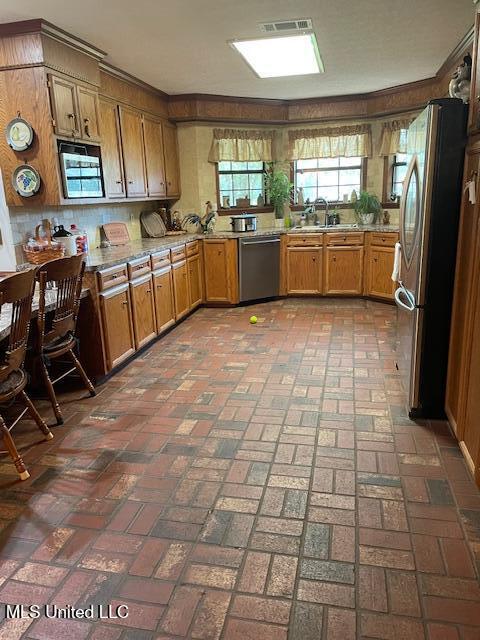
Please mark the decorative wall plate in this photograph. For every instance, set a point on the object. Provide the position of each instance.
(26, 180)
(19, 134)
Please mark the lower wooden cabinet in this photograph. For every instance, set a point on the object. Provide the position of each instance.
(180, 289)
(164, 302)
(117, 325)
(378, 272)
(195, 281)
(343, 271)
(221, 270)
(304, 270)
(143, 310)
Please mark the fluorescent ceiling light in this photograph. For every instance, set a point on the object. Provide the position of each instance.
(295, 55)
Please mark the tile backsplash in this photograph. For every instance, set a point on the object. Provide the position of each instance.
(89, 218)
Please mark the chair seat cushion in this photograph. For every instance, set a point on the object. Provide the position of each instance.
(12, 382)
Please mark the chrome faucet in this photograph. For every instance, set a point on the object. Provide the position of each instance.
(319, 201)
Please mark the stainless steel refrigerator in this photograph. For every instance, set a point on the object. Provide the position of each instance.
(429, 213)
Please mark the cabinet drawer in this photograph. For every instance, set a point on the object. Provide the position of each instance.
(160, 259)
(383, 239)
(178, 253)
(139, 267)
(112, 276)
(333, 239)
(305, 240)
(192, 248)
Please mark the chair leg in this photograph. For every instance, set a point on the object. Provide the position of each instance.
(81, 372)
(41, 424)
(12, 450)
(51, 392)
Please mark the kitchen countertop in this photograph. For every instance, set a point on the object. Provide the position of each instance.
(111, 256)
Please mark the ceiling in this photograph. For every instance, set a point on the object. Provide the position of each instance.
(180, 46)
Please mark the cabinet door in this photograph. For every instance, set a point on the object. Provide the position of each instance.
(133, 152)
(164, 303)
(172, 170)
(112, 163)
(117, 325)
(63, 96)
(304, 270)
(378, 272)
(153, 136)
(89, 114)
(180, 288)
(462, 309)
(143, 308)
(221, 271)
(194, 281)
(343, 270)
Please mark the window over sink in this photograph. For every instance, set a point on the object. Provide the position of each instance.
(331, 178)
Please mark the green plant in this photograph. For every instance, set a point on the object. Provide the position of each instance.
(278, 188)
(367, 204)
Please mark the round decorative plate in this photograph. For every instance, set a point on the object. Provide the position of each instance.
(19, 134)
(26, 180)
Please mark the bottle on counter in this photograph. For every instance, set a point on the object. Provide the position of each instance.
(81, 238)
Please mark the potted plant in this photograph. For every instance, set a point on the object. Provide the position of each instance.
(278, 188)
(367, 207)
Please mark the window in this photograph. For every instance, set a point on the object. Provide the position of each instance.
(399, 170)
(239, 180)
(329, 178)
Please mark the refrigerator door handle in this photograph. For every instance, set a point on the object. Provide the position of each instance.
(410, 305)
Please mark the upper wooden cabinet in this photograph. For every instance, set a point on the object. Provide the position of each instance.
(65, 111)
(133, 152)
(154, 158)
(172, 170)
(221, 270)
(112, 158)
(74, 109)
(89, 114)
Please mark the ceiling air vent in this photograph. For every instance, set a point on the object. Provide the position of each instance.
(286, 25)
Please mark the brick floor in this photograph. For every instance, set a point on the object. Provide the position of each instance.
(247, 482)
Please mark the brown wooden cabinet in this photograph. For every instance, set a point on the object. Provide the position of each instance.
(195, 280)
(463, 379)
(343, 271)
(221, 270)
(88, 114)
(172, 170)
(117, 325)
(112, 161)
(64, 102)
(378, 272)
(180, 288)
(143, 310)
(164, 300)
(133, 152)
(304, 270)
(154, 158)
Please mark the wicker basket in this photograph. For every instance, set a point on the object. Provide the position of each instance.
(44, 249)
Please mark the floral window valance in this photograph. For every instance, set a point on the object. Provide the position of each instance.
(393, 138)
(241, 145)
(333, 142)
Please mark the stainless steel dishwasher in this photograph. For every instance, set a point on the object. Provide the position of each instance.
(259, 266)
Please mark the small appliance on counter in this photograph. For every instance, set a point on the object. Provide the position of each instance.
(244, 222)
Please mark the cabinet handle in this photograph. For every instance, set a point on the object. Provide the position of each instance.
(73, 117)
(149, 291)
(344, 238)
(313, 259)
(124, 303)
(130, 182)
(375, 259)
(159, 286)
(86, 122)
(334, 258)
(118, 181)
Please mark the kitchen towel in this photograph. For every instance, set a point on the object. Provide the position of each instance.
(397, 261)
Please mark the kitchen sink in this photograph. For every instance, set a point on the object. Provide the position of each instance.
(322, 227)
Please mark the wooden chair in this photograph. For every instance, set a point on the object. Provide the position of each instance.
(56, 334)
(17, 292)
